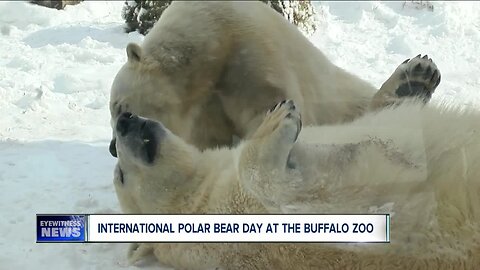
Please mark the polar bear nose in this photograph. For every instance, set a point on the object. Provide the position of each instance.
(127, 115)
(113, 148)
(124, 121)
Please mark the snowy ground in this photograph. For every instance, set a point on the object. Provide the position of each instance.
(56, 68)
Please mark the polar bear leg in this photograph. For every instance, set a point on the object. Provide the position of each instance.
(277, 133)
(264, 157)
(417, 77)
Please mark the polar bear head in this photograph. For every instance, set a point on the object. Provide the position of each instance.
(176, 93)
(153, 165)
(144, 88)
(143, 77)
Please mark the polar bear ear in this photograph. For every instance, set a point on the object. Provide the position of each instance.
(134, 52)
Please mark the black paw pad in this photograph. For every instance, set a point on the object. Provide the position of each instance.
(419, 78)
(299, 124)
(411, 89)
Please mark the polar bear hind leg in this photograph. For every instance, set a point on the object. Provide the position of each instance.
(414, 78)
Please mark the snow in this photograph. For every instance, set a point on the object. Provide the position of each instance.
(57, 67)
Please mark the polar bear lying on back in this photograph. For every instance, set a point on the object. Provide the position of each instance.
(209, 69)
(421, 164)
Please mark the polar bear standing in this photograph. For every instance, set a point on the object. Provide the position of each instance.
(420, 164)
(208, 71)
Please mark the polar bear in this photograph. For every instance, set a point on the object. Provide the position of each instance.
(208, 69)
(418, 163)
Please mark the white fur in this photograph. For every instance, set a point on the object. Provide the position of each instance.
(420, 164)
(208, 71)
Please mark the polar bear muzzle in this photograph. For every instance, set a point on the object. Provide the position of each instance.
(138, 137)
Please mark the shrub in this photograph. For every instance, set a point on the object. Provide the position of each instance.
(141, 15)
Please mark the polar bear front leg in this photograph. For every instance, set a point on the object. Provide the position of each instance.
(414, 78)
(264, 157)
(274, 138)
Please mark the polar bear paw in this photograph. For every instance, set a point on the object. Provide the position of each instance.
(284, 119)
(414, 78)
(418, 77)
(265, 156)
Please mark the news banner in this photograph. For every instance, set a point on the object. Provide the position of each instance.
(82, 228)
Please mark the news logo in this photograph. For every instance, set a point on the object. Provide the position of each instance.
(61, 228)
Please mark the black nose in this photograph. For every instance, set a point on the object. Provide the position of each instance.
(113, 148)
(124, 121)
(126, 115)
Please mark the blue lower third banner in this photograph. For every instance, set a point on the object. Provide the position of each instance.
(61, 228)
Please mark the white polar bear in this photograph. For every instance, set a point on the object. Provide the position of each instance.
(208, 69)
(420, 164)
